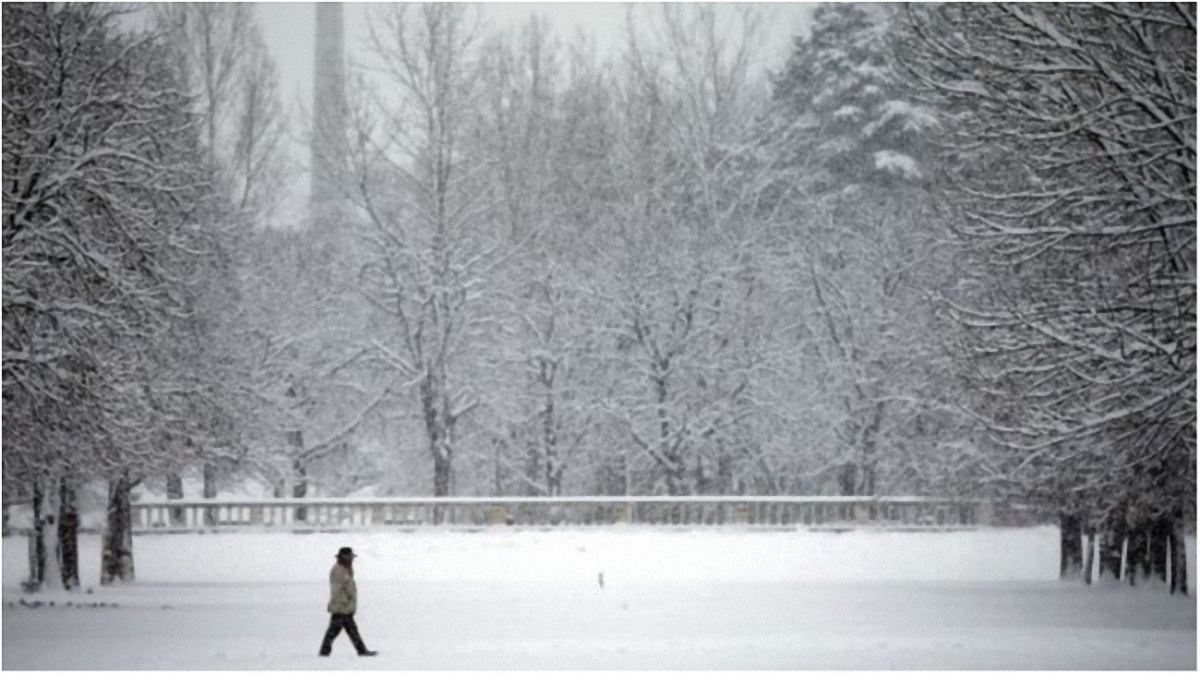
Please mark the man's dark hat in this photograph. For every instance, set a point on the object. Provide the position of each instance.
(346, 552)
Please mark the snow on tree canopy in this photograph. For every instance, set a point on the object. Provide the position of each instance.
(898, 164)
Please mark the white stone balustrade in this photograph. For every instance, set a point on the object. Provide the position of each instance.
(336, 514)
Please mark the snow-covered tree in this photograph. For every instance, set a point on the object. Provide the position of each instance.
(846, 104)
(108, 212)
(860, 252)
(1070, 153)
(218, 48)
(427, 252)
(268, 323)
(543, 386)
(681, 221)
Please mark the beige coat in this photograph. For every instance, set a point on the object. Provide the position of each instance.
(343, 594)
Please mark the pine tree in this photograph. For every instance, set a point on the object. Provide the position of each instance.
(863, 253)
(840, 91)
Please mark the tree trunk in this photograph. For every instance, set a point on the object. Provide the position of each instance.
(848, 478)
(701, 480)
(117, 558)
(1160, 532)
(441, 476)
(867, 487)
(437, 429)
(554, 483)
(497, 482)
(300, 486)
(210, 491)
(666, 457)
(1070, 545)
(175, 491)
(1089, 555)
(32, 583)
(1146, 551)
(210, 480)
(37, 556)
(46, 547)
(1179, 580)
(51, 574)
(68, 534)
(550, 442)
(676, 474)
(439, 446)
(724, 473)
(626, 474)
(1110, 553)
(174, 486)
(1135, 555)
(533, 462)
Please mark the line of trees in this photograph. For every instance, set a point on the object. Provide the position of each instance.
(940, 249)
(112, 264)
(1070, 169)
(664, 274)
(142, 151)
(916, 259)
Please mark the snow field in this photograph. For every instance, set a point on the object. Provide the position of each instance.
(671, 599)
(578, 554)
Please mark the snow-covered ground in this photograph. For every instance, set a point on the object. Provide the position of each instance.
(670, 599)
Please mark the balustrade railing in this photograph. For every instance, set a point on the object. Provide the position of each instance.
(336, 514)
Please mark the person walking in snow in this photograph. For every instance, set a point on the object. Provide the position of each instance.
(343, 601)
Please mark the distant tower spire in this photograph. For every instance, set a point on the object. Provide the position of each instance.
(329, 112)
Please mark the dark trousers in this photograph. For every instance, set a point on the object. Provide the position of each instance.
(337, 621)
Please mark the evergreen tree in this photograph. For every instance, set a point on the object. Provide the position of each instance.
(862, 255)
(844, 103)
